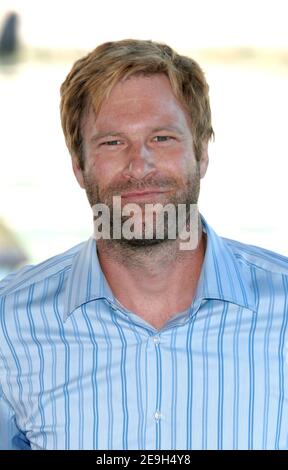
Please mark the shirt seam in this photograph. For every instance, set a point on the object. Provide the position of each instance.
(251, 264)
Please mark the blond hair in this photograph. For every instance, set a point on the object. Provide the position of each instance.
(93, 76)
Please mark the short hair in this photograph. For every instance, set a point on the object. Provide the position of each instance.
(92, 78)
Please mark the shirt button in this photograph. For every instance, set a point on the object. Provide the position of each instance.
(156, 340)
(157, 415)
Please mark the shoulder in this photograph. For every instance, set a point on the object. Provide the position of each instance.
(258, 258)
(29, 275)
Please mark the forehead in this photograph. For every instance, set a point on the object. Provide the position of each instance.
(145, 85)
(139, 99)
(140, 88)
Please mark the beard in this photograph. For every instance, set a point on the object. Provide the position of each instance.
(186, 193)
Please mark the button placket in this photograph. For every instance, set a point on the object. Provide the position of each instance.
(157, 415)
(156, 340)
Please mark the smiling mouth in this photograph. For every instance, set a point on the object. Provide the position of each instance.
(142, 193)
(145, 196)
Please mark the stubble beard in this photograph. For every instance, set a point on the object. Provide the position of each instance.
(187, 194)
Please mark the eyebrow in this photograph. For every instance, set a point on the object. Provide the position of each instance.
(100, 135)
(168, 128)
(113, 133)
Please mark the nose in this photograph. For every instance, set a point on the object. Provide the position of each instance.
(140, 162)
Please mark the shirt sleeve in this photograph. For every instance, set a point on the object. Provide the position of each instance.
(11, 438)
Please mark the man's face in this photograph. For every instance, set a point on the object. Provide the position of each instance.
(140, 147)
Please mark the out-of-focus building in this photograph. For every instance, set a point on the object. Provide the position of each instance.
(9, 41)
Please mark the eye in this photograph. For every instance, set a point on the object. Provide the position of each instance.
(111, 142)
(162, 138)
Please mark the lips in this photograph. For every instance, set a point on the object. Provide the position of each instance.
(142, 194)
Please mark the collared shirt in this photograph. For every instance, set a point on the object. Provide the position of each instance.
(78, 371)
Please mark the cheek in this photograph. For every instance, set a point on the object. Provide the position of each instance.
(102, 169)
(189, 162)
(180, 163)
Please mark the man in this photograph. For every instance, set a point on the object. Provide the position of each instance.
(138, 342)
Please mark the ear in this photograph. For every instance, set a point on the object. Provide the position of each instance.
(77, 171)
(204, 159)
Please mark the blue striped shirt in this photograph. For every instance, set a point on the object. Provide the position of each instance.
(78, 371)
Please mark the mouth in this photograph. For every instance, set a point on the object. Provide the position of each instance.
(142, 194)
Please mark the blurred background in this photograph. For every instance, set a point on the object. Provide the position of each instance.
(242, 45)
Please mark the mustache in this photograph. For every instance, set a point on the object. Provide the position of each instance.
(136, 185)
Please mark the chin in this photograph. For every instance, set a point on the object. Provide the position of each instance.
(144, 243)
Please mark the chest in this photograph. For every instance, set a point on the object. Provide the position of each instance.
(218, 380)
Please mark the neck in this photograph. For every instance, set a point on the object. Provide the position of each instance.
(155, 282)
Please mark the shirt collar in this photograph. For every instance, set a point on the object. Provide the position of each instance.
(86, 281)
(222, 277)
